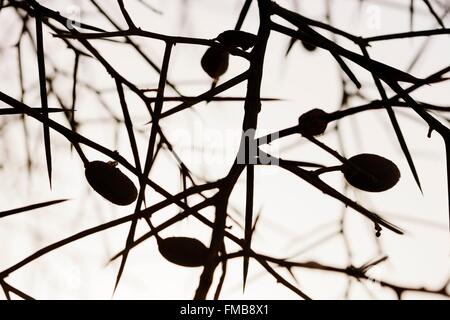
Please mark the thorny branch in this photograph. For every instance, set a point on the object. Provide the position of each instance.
(79, 38)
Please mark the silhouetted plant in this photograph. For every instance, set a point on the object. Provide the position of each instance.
(368, 172)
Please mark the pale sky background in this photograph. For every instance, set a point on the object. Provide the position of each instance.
(293, 215)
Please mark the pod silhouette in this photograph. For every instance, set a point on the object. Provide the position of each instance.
(215, 62)
(110, 183)
(183, 251)
(237, 39)
(370, 172)
(313, 123)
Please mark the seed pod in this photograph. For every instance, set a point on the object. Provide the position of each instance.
(370, 172)
(312, 123)
(215, 62)
(110, 183)
(237, 39)
(186, 252)
(309, 46)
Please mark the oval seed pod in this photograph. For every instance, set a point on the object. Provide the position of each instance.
(183, 251)
(110, 183)
(370, 172)
(237, 39)
(215, 62)
(308, 46)
(312, 123)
